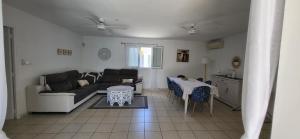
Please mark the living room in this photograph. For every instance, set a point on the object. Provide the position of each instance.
(99, 38)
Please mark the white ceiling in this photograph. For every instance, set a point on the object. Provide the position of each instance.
(145, 18)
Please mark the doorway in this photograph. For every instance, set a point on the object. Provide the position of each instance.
(10, 72)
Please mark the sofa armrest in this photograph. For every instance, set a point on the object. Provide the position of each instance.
(57, 94)
(35, 89)
(138, 81)
(38, 101)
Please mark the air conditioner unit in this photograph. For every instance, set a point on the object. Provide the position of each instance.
(215, 44)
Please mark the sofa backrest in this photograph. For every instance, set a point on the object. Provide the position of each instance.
(111, 76)
(116, 75)
(129, 74)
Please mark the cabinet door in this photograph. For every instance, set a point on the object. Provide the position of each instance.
(234, 93)
(222, 87)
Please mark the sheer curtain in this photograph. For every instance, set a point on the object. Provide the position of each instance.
(3, 89)
(262, 54)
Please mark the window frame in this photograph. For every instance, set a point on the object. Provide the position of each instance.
(139, 46)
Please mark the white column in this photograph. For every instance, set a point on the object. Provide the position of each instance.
(3, 87)
(286, 109)
(262, 54)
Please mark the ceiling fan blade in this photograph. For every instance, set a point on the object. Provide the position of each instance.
(93, 20)
(116, 26)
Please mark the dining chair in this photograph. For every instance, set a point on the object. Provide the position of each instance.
(200, 79)
(208, 82)
(181, 76)
(200, 95)
(177, 90)
(169, 82)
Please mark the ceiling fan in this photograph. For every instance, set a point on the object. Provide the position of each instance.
(101, 25)
(191, 28)
(202, 27)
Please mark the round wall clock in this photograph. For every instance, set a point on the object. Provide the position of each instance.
(104, 54)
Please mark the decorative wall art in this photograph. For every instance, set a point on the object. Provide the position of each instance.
(236, 62)
(182, 55)
(66, 52)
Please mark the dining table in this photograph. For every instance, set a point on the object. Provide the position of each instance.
(188, 85)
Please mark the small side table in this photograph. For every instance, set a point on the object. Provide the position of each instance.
(119, 94)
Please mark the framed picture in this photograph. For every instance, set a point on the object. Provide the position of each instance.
(69, 52)
(182, 55)
(65, 51)
(59, 51)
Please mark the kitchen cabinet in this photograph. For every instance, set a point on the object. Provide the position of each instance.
(230, 90)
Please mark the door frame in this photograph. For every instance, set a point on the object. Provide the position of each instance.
(13, 74)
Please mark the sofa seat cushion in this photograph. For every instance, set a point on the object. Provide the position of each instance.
(83, 92)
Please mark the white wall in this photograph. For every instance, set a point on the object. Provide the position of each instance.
(37, 40)
(234, 45)
(152, 78)
(286, 112)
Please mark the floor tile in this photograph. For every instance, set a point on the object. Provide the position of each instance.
(121, 127)
(119, 135)
(196, 126)
(100, 136)
(105, 127)
(45, 136)
(152, 127)
(137, 127)
(219, 135)
(71, 128)
(136, 135)
(211, 126)
(153, 135)
(64, 136)
(167, 127)
(82, 136)
(25, 136)
(56, 128)
(186, 135)
(170, 135)
(181, 127)
(203, 135)
(88, 128)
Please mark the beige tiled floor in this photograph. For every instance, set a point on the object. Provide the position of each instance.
(162, 120)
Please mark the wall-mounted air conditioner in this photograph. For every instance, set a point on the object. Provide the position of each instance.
(215, 44)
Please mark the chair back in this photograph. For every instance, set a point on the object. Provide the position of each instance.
(177, 90)
(201, 94)
(169, 84)
(208, 82)
(200, 79)
(181, 76)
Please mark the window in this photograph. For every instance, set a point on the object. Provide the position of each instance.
(144, 57)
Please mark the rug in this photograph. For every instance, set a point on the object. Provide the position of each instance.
(138, 102)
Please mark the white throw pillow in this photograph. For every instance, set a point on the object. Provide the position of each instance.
(47, 87)
(83, 83)
(127, 80)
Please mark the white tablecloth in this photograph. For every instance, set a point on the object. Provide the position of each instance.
(188, 86)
